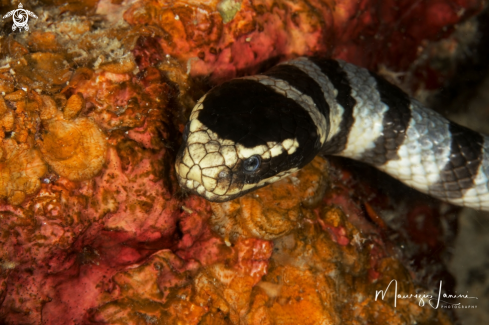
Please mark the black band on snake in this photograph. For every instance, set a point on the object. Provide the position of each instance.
(253, 131)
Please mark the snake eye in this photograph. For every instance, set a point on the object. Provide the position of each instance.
(251, 164)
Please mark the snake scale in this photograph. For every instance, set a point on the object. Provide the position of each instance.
(253, 131)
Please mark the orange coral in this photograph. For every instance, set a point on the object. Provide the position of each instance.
(74, 148)
(20, 170)
(6, 118)
(272, 212)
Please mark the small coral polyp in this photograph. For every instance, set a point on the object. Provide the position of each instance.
(73, 147)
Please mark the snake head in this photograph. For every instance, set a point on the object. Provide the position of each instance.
(241, 136)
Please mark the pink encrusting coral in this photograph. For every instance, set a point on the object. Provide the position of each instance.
(93, 226)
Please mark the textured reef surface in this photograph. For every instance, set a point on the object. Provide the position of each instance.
(93, 226)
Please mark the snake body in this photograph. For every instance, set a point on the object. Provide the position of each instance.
(252, 131)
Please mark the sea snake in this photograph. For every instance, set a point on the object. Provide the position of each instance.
(253, 131)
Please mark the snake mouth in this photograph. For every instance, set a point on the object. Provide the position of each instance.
(220, 190)
(198, 189)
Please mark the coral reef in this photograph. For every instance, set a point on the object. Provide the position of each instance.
(93, 226)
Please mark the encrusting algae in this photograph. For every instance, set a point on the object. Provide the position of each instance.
(93, 226)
